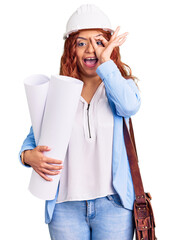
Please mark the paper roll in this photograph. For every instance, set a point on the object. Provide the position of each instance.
(61, 102)
(36, 88)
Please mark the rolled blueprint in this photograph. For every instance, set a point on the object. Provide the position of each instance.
(56, 122)
(36, 87)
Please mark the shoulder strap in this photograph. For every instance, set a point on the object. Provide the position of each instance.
(132, 136)
(133, 161)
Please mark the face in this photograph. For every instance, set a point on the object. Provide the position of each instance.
(86, 56)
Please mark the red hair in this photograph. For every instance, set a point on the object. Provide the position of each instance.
(69, 67)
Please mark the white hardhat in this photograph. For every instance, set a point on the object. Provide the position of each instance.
(87, 16)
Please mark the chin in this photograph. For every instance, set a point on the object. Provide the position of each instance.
(87, 72)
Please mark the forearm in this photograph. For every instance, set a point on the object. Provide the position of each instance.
(28, 144)
(124, 93)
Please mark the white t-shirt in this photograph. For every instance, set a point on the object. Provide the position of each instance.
(87, 172)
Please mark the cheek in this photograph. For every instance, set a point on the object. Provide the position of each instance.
(79, 55)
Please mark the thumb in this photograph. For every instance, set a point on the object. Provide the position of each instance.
(93, 43)
(43, 148)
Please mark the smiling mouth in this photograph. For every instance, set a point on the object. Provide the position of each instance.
(90, 62)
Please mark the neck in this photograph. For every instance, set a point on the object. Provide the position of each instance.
(91, 81)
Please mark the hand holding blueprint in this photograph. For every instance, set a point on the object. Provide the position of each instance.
(52, 105)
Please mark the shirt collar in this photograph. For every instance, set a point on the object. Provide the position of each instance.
(96, 95)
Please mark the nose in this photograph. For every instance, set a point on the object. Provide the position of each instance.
(89, 48)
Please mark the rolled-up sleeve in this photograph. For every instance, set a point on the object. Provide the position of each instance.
(122, 92)
(28, 144)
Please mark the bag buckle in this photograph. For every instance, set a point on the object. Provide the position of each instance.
(141, 199)
(144, 224)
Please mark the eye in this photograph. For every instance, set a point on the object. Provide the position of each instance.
(99, 43)
(81, 44)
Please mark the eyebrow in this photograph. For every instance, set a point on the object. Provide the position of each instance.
(86, 38)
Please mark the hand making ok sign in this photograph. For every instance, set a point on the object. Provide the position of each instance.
(104, 53)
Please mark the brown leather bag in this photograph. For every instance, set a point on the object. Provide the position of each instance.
(143, 213)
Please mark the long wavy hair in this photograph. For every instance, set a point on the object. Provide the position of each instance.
(68, 65)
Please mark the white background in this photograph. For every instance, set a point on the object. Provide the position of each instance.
(31, 42)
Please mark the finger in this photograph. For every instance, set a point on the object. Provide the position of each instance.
(118, 40)
(122, 35)
(45, 171)
(43, 148)
(53, 167)
(44, 176)
(115, 33)
(122, 41)
(52, 160)
(104, 41)
(93, 43)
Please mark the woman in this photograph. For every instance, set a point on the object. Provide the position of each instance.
(95, 195)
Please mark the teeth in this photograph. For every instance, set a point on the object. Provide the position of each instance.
(90, 58)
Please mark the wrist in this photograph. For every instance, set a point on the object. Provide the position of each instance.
(23, 157)
(102, 60)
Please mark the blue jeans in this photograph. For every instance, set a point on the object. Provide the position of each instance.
(96, 219)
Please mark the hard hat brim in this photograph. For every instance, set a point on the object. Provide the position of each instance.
(66, 35)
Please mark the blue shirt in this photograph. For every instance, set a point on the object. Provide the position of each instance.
(124, 100)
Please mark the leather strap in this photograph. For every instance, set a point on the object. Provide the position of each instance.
(133, 162)
(132, 135)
